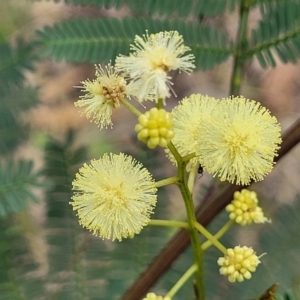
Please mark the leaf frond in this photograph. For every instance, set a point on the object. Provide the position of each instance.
(16, 181)
(101, 40)
(18, 98)
(165, 8)
(18, 276)
(266, 5)
(13, 60)
(278, 34)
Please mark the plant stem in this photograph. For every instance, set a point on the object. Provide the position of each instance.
(130, 107)
(210, 237)
(182, 281)
(160, 103)
(188, 157)
(218, 235)
(168, 223)
(193, 232)
(167, 181)
(241, 45)
(191, 179)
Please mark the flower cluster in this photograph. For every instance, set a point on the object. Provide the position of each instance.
(155, 128)
(244, 208)
(238, 263)
(235, 139)
(152, 296)
(188, 116)
(152, 58)
(239, 142)
(114, 196)
(102, 95)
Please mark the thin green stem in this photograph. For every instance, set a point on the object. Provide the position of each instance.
(169, 223)
(218, 235)
(175, 152)
(167, 181)
(193, 233)
(160, 103)
(130, 107)
(191, 179)
(240, 48)
(193, 268)
(210, 237)
(188, 157)
(182, 281)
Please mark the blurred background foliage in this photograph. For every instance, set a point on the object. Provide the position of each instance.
(46, 48)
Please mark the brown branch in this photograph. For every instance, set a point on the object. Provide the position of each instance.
(215, 201)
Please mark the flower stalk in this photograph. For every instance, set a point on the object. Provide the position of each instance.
(190, 211)
(167, 223)
(167, 181)
(210, 237)
(134, 110)
(182, 281)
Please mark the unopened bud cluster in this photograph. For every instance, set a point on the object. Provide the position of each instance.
(244, 208)
(238, 263)
(112, 94)
(155, 128)
(153, 296)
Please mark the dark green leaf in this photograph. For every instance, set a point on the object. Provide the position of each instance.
(16, 180)
(101, 40)
(279, 30)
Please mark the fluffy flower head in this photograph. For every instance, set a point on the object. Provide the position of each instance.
(155, 128)
(238, 263)
(240, 141)
(102, 95)
(188, 116)
(152, 296)
(244, 208)
(152, 57)
(114, 196)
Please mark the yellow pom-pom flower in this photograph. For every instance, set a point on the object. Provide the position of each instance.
(155, 128)
(238, 263)
(152, 57)
(244, 208)
(114, 196)
(239, 142)
(153, 296)
(187, 117)
(102, 95)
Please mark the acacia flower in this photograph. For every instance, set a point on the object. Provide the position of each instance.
(153, 57)
(102, 95)
(239, 142)
(244, 208)
(238, 263)
(188, 117)
(155, 128)
(114, 196)
(153, 296)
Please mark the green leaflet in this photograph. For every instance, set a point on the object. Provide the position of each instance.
(101, 40)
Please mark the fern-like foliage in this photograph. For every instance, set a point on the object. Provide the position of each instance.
(14, 99)
(16, 181)
(165, 8)
(18, 98)
(18, 280)
(266, 5)
(278, 33)
(64, 235)
(13, 60)
(101, 40)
